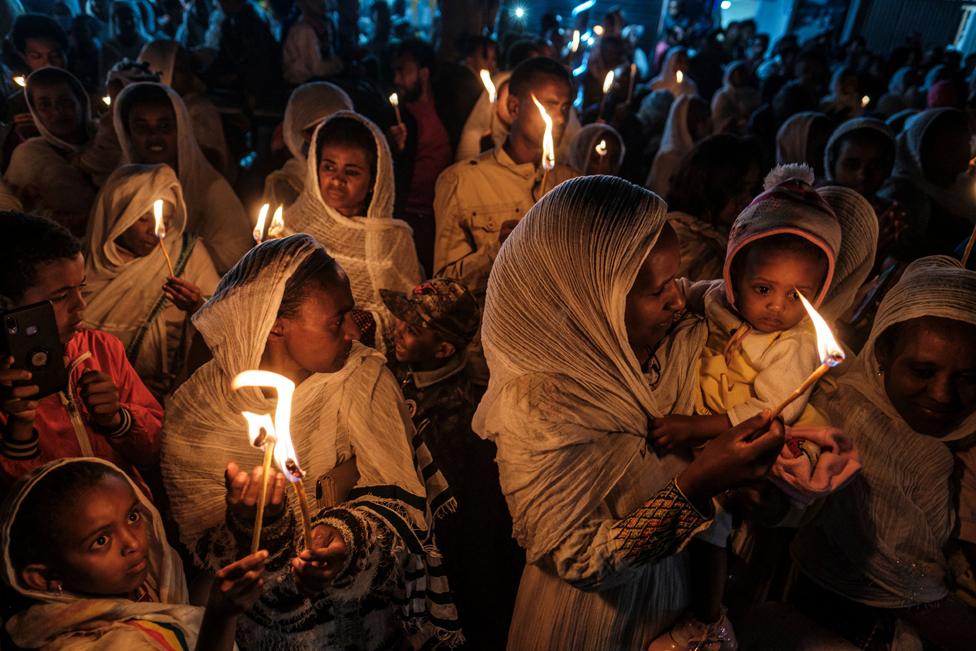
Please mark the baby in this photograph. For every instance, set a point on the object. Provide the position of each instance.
(760, 347)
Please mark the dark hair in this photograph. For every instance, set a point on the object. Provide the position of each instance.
(795, 245)
(863, 137)
(51, 76)
(32, 535)
(419, 50)
(141, 94)
(319, 269)
(710, 173)
(27, 243)
(521, 50)
(526, 72)
(476, 44)
(36, 26)
(348, 132)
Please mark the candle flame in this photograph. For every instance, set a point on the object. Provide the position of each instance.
(158, 215)
(260, 428)
(598, 30)
(489, 86)
(548, 148)
(576, 41)
(20, 80)
(865, 101)
(284, 452)
(394, 100)
(679, 77)
(259, 227)
(829, 350)
(601, 148)
(107, 100)
(608, 82)
(277, 226)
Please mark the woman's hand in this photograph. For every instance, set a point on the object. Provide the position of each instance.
(315, 568)
(740, 456)
(184, 294)
(237, 586)
(243, 490)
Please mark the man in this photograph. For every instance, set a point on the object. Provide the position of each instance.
(39, 42)
(479, 201)
(422, 142)
(435, 324)
(105, 411)
(248, 57)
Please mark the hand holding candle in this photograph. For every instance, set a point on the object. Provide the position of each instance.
(830, 352)
(161, 233)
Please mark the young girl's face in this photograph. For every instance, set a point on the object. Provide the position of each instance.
(140, 238)
(103, 541)
(766, 289)
(345, 179)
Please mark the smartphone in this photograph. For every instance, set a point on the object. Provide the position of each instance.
(30, 336)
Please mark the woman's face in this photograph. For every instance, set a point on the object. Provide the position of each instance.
(42, 52)
(654, 299)
(140, 239)
(58, 108)
(318, 338)
(345, 178)
(153, 132)
(930, 373)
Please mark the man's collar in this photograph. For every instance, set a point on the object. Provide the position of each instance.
(453, 366)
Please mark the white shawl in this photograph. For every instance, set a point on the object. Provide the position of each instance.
(376, 251)
(858, 246)
(793, 138)
(213, 210)
(567, 403)
(850, 126)
(668, 77)
(676, 142)
(587, 139)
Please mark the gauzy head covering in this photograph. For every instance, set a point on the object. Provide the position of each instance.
(161, 57)
(667, 79)
(788, 206)
(54, 75)
(376, 251)
(846, 129)
(308, 105)
(677, 137)
(881, 541)
(57, 614)
(587, 139)
(793, 138)
(858, 246)
(567, 404)
(122, 290)
(130, 72)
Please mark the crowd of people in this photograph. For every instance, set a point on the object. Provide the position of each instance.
(544, 311)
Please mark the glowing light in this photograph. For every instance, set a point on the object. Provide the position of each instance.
(395, 101)
(548, 148)
(519, 12)
(20, 80)
(598, 30)
(608, 82)
(601, 148)
(585, 6)
(259, 227)
(829, 350)
(726, 5)
(160, 228)
(489, 85)
(277, 227)
(107, 100)
(865, 101)
(679, 77)
(285, 455)
(576, 41)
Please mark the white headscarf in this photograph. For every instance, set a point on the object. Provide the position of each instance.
(79, 92)
(308, 105)
(858, 246)
(587, 139)
(567, 403)
(881, 541)
(161, 57)
(793, 138)
(668, 77)
(213, 210)
(731, 105)
(844, 130)
(676, 142)
(376, 251)
(57, 619)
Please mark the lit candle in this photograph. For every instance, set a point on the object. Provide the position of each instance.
(107, 100)
(161, 233)
(576, 41)
(607, 85)
(20, 80)
(679, 77)
(831, 355)
(601, 148)
(548, 146)
(598, 30)
(489, 85)
(865, 101)
(259, 227)
(284, 450)
(260, 431)
(395, 101)
(276, 228)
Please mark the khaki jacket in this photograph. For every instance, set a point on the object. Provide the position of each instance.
(473, 198)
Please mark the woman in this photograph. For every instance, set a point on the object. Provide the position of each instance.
(285, 308)
(676, 61)
(873, 558)
(715, 181)
(130, 292)
(845, 99)
(734, 103)
(602, 518)
(175, 69)
(347, 205)
(689, 120)
(308, 105)
(153, 126)
(597, 149)
(902, 92)
(128, 35)
(802, 139)
(930, 181)
(43, 170)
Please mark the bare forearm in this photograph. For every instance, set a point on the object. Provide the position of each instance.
(217, 632)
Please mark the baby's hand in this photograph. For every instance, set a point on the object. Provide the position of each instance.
(674, 431)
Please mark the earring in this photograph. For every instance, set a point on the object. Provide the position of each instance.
(880, 370)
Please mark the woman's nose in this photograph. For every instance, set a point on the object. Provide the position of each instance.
(676, 298)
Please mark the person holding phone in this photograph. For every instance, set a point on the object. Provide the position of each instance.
(104, 410)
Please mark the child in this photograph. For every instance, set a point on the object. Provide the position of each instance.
(86, 557)
(760, 347)
(105, 410)
(130, 291)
